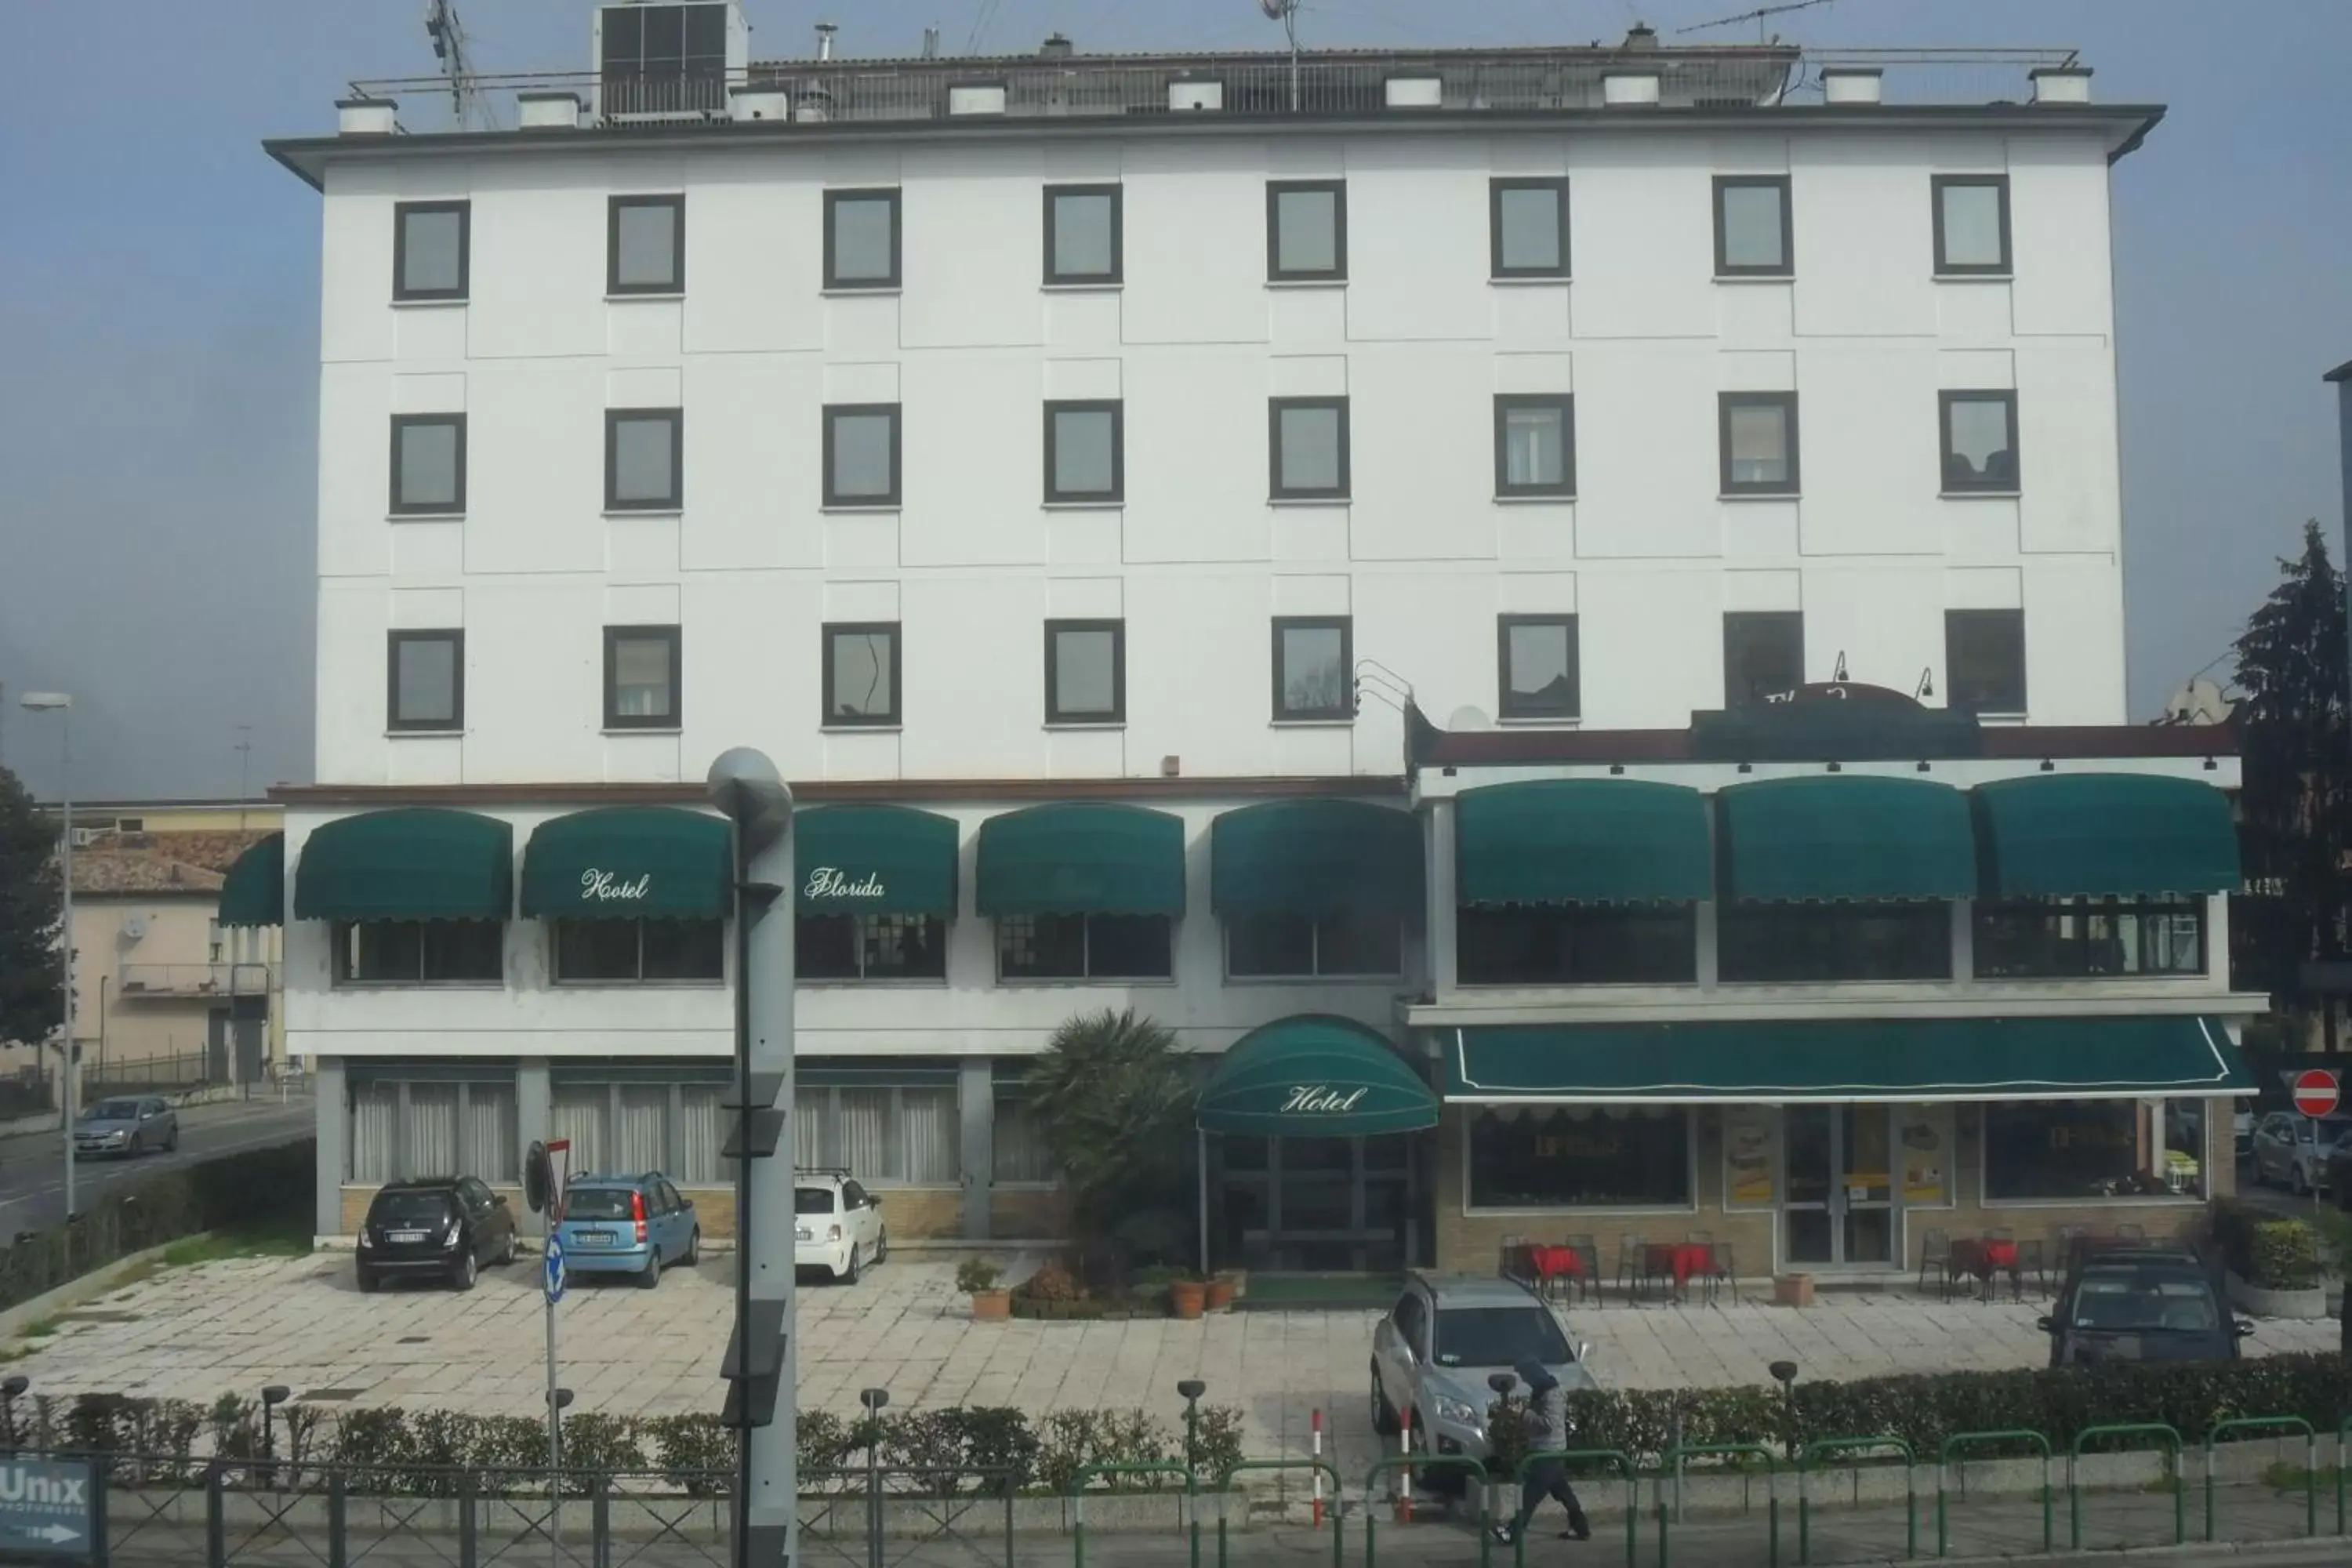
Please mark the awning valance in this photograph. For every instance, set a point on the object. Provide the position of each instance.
(1314, 858)
(416, 863)
(1847, 836)
(629, 862)
(2069, 835)
(874, 860)
(254, 894)
(1901, 1059)
(1315, 1075)
(1581, 841)
(1081, 859)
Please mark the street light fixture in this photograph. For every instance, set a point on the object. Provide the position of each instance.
(61, 704)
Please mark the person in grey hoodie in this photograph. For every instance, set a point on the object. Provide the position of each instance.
(1547, 1427)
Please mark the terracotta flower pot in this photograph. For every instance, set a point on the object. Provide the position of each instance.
(1221, 1294)
(990, 1306)
(1186, 1297)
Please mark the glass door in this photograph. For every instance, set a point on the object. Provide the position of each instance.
(1808, 1224)
(1837, 1186)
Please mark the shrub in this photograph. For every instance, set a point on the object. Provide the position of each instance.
(2264, 1249)
(974, 1274)
(695, 1452)
(1050, 1283)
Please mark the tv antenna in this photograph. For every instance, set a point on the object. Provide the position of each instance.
(454, 49)
(1755, 16)
(1286, 13)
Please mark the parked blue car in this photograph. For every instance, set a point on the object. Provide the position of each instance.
(627, 1225)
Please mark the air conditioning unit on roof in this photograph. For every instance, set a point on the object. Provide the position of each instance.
(669, 63)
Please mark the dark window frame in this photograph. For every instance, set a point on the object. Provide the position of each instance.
(455, 637)
(1796, 617)
(1953, 621)
(1772, 944)
(1338, 272)
(1346, 626)
(1564, 403)
(339, 965)
(1951, 483)
(614, 207)
(1504, 706)
(1116, 627)
(1496, 188)
(676, 500)
(400, 213)
(1117, 408)
(1945, 267)
(829, 719)
(401, 425)
(837, 411)
(638, 925)
(1276, 491)
(1229, 927)
(1117, 273)
(1988, 915)
(1086, 975)
(1589, 945)
(833, 199)
(1724, 403)
(1787, 265)
(806, 974)
(673, 720)
(1489, 1135)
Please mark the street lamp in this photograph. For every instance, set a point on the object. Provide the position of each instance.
(276, 1395)
(60, 704)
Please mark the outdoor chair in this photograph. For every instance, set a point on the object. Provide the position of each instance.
(1632, 1264)
(1936, 1253)
(1587, 1256)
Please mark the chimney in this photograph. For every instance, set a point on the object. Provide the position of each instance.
(1641, 35)
(1621, 89)
(548, 110)
(1057, 48)
(2060, 84)
(366, 116)
(825, 32)
(930, 43)
(1851, 84)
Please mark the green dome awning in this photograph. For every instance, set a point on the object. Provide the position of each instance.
(1314, 858)
(629, 862)
(417, 863)
(874, 860)
(1316, 1076)
(1081, 859)
(254, 892)
(1581, 841)
(2087, 835)
(1847, 836)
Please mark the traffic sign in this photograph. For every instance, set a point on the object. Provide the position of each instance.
(46, 1507)
(2316, 1093)
(552, 1275)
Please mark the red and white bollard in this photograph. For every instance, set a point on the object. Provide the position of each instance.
(1318, 1473)
(1405, 1447)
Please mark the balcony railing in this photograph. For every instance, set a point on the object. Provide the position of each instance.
(134, 981)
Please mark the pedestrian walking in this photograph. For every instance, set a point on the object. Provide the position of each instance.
(1546, 1429)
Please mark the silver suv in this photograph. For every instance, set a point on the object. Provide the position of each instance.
(1440, 1341)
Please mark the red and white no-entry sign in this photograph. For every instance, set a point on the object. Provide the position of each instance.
(2315, 1093)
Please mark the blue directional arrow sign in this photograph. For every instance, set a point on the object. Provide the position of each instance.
(46, 1507)
(552, 1275)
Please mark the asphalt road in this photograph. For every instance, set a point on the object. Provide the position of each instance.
(32, 1165)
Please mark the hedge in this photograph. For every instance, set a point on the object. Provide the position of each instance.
(2264, 1249)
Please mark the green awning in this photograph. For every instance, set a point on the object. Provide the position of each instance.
(254, 892)
(1315, 1075)
(1581, 841)
(1861, 1060)
(1847, 836)
(629, 862)
(417, 863)
(1081, 859)
(2068, 835)
(874, 860)
(1314, 858)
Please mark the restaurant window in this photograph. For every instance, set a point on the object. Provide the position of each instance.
(1085, 947)
(2059, 1150)
(1980, 442)
(870, 947)
(639, 949)
(1309, 444)
(1306, 231)
(861, 673)
(419, 952)
(1866, 940)
(1085, 672)
(631, 1125)
(1539, 676)
(1535, 444)
(2072, 939)
(1284, 946)
(428, 465)
(427, 676)
(1758, 437)
(1763, 655)
(905, 1135)
(644, 451)
(644, 245)
(1602, 1157)
(1528, 227)
(1020, 1155)
(861, 239)
(1577, 944)
(1971, 225)
(423, 1127)
(1751, 226)
(1984, 660)
(1313, 672)
(1081, 237)
(641, 677)
(429, 249)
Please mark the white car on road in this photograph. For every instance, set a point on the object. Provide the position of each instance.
(836, 1225)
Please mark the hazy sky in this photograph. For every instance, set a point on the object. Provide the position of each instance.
(159, 316)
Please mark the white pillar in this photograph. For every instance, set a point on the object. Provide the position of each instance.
(976, 1104)
(332, 1112)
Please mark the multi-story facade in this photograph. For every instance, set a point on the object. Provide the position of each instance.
(1080, 474)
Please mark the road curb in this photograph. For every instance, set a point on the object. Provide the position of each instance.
(74, 1292)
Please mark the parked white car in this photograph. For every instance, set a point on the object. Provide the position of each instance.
(836, 1225)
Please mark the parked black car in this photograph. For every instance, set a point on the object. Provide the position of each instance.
(2155, 1303)
(436, 1228)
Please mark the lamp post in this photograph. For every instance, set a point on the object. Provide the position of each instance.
(60, 704)
(1191, 1388)
(276, 1395)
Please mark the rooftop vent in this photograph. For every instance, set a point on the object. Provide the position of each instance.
(2060, 84)
(1058, 47)
(1851, 84)
(366, 116)
(825, 32)
(1641, 35)
(760, 100)
(1629, 89)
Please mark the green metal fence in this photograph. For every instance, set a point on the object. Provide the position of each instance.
(1144, 1467)
(2169, 1439)
(1475, 1471)
(1958, 1440)
(1225, 1492)
(1857, 1446)
(2310, 1462)
(1569, 1456)
(1673, 1458)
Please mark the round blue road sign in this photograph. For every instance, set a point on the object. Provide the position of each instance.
(553, 1276)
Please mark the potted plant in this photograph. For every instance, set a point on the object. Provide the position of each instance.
(977, 1277)
(1186, 1295)
(1223, 1288)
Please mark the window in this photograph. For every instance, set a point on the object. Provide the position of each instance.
(1971, 225)
(427, 673)
(1085, 672)
(910, 1135)
(644, 245)
(644, 451)
(1535, 444)
(870, 947)
(1309, 443)
(641, 677)
(1082, 234)
(1577, 944)
(638, 950)
(1313, 672)
(635, 1123)
(431, 244)
(1085, 947)
(1890, 941)
(1306, 231)
(1751, 226)
(412, 952)
(1763, 655)
(2068, 939)
(861, 239)
(1527, 220)
(1021, 1154)
(1538, 667)
(1604, 1156)
(1085, 452)
(424, 1128)
(1979, 440)
(1290, 946)
(428, 464)
(1758, 438)
(2063, 1149)
(861, 673)
(1984, 660)
(861, 454)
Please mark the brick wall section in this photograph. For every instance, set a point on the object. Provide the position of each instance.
(1029, 1214)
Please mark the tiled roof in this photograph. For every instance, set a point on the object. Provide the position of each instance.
(159, 862)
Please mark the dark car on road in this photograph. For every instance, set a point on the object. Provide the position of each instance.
(2141, 1304)
(434, 1228)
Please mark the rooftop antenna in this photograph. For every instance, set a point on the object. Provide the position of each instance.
(454, 49)
(1286, 13)
(1755, 16)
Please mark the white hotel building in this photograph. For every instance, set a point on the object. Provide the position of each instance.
(1080, 473)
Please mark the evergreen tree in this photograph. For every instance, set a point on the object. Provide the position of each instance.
(32, 1005)
(1113, 1096)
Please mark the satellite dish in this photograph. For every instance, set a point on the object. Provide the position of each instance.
(1468, 719)
(1275, 10)
(2200, 701)
(134, 927)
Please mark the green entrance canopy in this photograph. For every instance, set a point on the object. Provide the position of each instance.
(629, 862)
(1314, 858)
(1847, 836)
(418, 863)
(874, 860)
(1313, 1076)
(1081, 859)
(2066, 835)
(255, 891)
(1902, 1059)
(1581, 841)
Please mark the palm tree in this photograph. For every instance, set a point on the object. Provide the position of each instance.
(1113, 1097)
